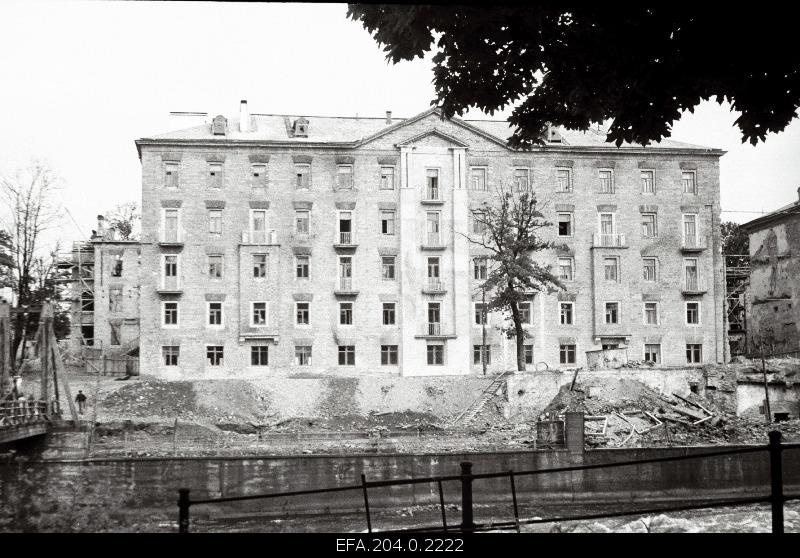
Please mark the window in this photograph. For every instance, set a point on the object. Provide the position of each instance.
(477, 353)
(606, 177)
(649, 229)
(215, 221)
(170, 354)
(611, 267)
(610, 346)
(612, 312)
(115, 333)
(692, 313)
(690, 273)
(651, 313)
(346, 273)
(302, 355)
(171, 219)
(345, 227)
(694, 353)
(648, 178)
(387, 178)
(565, 312)
(432, 220)
(170, 314)
(259, 355)
(302, 174)
(260, 262)
(301, 267)
(480, 269)
(564, 179)
(434, 318)
(116, 270)
(387, 268)
(171, 175)
(215, 313)
(565, 269)
(258, 176)
(565, 224)
(432, 184)
(688, 179)
(649, 267)
(522, 180)
(303, 313)
(215, 175)
(258, 226)
(524, 312)
(301, 221)
(435, 355)
(170, 272)
(528, 351)
(347, 355)
(387, 222)
(479, 222)
(388, 313)
(652, 353)
(481, 316)
(258, 317)
(606, 223)
(388, 355)
(566, 354)
(690, 230)
(346, 313)
(115, 299)
(214, 354)
(215, 264)
(478, 178)
(344, 177)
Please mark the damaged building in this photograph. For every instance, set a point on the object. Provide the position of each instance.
(772, 294)
(342, 245)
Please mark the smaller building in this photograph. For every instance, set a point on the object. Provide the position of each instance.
(772, 309)
(104, 282)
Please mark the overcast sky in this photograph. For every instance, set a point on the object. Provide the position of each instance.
(79, 82)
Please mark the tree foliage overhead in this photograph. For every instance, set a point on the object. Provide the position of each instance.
(125, 218)
(568, 65)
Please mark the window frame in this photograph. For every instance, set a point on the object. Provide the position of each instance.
(176, 165)
(305, 182)
(259, 353)
(440, 352)
(527, 175)
(388, 265)
(297, 266)
(655, 225)
(655, 269)
(176, 354)
(351, 174)
(297, 321)
(221, 361)
(261, 181)
(220, 325)
(303, 352)
(571, 305)
(164, 270)
(565, 352)
(686, 321)
(349, 354)
(391, 352)
(392, 174)
(221, 275)
(302, 215)
(253, 310)
(257, 266)
(571, 221)
(215, 181)
(393, 220)
(612, 186)
(352, 314)
(657, 312)
(472, 181)
(605, 312)
(212, 219)
(476, 322)
(694, 190)
(642, 181)
(392, 311)
(617, 270)
(569, 188)
(571, 268)
(659, 353)
(480, 263)
(695, 346)
(529, 311)
(480, 351)
(164, 323)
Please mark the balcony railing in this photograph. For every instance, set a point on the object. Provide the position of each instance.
(434, 328)
(171, 283)
(693, 285)
(260, 237)
(433, 193)
(345, 283)
(610, 240)
(434, 284)
(346, 238)
(433, 239)
(172, 236)
(691, 243)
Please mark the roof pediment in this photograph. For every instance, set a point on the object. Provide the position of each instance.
(434, 137)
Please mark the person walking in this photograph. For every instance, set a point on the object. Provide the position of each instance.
(80, 399)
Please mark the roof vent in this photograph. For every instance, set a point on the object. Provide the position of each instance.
(301, 127)
(553, 135)
(244, 117)
(219, 126)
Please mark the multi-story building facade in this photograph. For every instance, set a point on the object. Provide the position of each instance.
(771, 298)
(103, 277)
(343, 245)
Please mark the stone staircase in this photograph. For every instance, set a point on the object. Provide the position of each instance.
(466, 417)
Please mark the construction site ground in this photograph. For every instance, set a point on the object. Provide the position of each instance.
(138, 416)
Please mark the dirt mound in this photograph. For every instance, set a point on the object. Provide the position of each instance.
(406, 420)
(149, 397)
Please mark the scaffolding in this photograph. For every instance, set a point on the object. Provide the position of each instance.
(80, 264)
(737, 279)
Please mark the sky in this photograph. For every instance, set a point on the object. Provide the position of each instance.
(81, 81)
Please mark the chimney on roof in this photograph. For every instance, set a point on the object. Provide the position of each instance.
(101, 226)
(244, 117)
(388, 117)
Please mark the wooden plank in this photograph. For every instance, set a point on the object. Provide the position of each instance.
(688, 412)
(59, 367)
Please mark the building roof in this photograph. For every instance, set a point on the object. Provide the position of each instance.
(351, 132)
(786, 212)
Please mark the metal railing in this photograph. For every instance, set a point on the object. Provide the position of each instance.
(694, 243)
(172, 236)
(693, 285)
(609, 240)
(16, 413)
(434, 239)
(776, 497)
(435, 284)
(432, 193)
(260, 237)
(346, 237)
(434, 328)
(345, 283)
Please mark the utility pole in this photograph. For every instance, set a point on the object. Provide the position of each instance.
(766, 389)
(483, 326)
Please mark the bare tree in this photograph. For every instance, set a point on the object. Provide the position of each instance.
(125, 219)
(511, 225)
(33, 208)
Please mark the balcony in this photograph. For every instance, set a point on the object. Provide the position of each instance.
(345, 240)
(434, 285)
(433, 196)
(693, 286)
(694, 244)
(609, 241)
(345, 287)
(434, 331)
(268, 237)
(171, 237)
(170, 285)
(433, 241)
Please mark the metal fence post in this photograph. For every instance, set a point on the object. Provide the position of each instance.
(776, 480)
(183, 510)
(467, 524)
(366, 501)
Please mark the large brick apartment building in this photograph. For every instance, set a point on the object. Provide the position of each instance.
(293, 245)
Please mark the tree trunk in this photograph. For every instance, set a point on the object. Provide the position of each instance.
(520, 334)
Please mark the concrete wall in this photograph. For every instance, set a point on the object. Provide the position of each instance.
(782, 399)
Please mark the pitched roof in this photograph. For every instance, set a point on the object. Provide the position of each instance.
(353, 131)
(787, 211)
